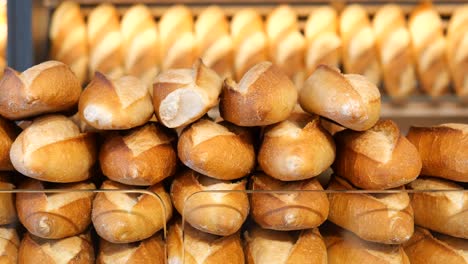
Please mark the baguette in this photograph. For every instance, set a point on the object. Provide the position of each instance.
(121, 217)
(55, 215)
(281, 210)
(394, 48)
(9, 244)
(218, 151)
(209, 205)
(8, 133)
(115, 104)
(429, 50)
(457, 50)
(105, 41)
(382, 218)
(38, 151)
(379, 158)
(68, 38)
(7, 201)
(444, 212)
(264, 96)
(351, 100)
(359, 45)
(442, 148)
(44, 88)
(323, 45)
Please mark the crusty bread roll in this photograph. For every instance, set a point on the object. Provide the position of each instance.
(285, 42)
(457, 50)
(68, 38)
(264, 96)
(348, 99)
(105, 41)
(55, 215)
(71, 250)
(424, 248)
(382, 218)
(345, 247)
(141, 156)
(121, 217)
(44, 88)
(250, 41)
(8, 133)
(178, 44)
(323, 45)
(296, 149)
(53, 149)
(331, 126)
(7, 202)
(121, 103)
(288, 205)
(212, 206)
(150, 250)
(359, 45)
(187, 245)
(444, 212)
(429, 50)
(9, 244)
(394, 48)
(442, 148)
(379, 158)
(182, 96)
(140, 44)
(214, 41)
(264, 246)
(218, 151)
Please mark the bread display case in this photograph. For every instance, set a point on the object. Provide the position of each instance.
(304, 131)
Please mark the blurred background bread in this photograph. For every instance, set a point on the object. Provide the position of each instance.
(9, 244)
(457, 50)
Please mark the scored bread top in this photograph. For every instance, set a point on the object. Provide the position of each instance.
(205, 130)
(8, 236)
(140, 140)
(268, 246)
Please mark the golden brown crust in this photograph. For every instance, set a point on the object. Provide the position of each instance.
(382, 218)
(457, 35)
(210, 205)
(302, 208)
(379, 158)
(7, 202)
(9, 243)
(8, 133)
(120, 217)
(441, 149)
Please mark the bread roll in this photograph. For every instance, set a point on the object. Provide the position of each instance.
(394, 48)
(296, 149)
(105, 41)
(344, 247)
(71, 250)
(141, 156)
(429, 50)
(214, 41)
(187, 245)
(351, 100)
(442, 148)
(68, 36)
(457, 50)
(425, 248)
(359, 45)
(288, 205)
(7, 203)
(150, 250)
(383, 218)
(212, 206)
(9, 243)
(140, 43)
(215, 150)
(115, 103)
(323, 45)
(285, 42)
(8, 133)
(44, 88)
(121, 217)
(250, 41)
(182, 96)
(379, 158)
(38, 152)
(264, 96)
(444, 212)
(331, 126)
(178, 43)
(266, 247)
